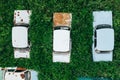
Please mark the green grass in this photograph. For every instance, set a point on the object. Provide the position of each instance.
(41, 38)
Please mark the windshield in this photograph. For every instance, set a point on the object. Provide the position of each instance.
(27, 75)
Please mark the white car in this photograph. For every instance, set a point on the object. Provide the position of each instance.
(17, 73)
(61, 37)
(20, 40)
(103, 36)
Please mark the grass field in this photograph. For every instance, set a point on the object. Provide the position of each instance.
(41, 38)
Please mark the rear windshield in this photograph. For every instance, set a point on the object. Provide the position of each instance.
(103, 26)
(62, 27)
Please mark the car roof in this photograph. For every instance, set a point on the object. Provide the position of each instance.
(20, 37)
(34, 75)
(1, 74)
(105, 39)
(61, 40)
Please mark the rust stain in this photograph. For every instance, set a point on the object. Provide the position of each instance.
(62, 19)
(19, 68)
(3, 69)
(22, 20)
(22, 76)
